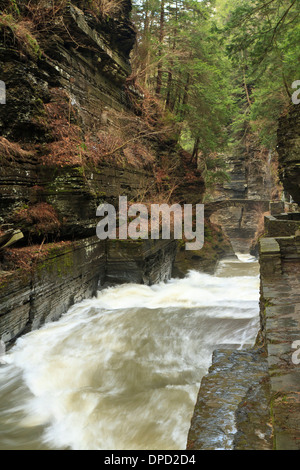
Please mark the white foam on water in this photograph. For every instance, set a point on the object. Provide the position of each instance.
(122, 371)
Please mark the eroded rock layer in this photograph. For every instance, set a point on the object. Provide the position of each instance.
(69, 143)
(289, 151)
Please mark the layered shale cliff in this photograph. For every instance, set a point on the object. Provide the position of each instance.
(74, 135)
(289, 150)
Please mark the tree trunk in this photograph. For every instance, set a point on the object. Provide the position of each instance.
(195, 150)
(170, 74)
(161, 38)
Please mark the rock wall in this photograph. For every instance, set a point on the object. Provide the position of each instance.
(280, 298)
(289, 151)
(80, 69)
(74, 192)
(250, 169)
(79, 75)
(77, 51)
(143, 262)
(66, 275)
(238, 205)
(72, 271)
(66, 89)
(240, 220)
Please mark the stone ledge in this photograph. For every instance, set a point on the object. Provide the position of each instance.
(283, 225)
(232, 409)
(269, 252)
(269, 245)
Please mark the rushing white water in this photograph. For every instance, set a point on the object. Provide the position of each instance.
(122, 371)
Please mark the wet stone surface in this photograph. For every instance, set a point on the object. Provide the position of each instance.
(232, 409)
(281, 300)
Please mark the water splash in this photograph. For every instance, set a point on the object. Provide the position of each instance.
(122, 371)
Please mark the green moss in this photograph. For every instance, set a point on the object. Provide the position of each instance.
(21, 34)
(4, 282)
(80, 170)
(267, 302)
(57, 262)
(100, 194)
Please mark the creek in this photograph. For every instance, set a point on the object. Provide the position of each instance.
(122, 370)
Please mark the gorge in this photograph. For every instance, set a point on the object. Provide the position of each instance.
(138, 344)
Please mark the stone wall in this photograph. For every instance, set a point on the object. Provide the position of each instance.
(249, 400)
(280, 323)
(282, 225)
(232, 408)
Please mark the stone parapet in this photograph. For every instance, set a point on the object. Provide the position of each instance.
(280, 323)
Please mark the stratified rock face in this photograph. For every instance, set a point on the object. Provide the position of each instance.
(84, 55)
(239, 204)
(64, 88)
(289, 152)
(69, 273)
(55, 97)
(73, 271)
(249, 168)
(65, 104)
